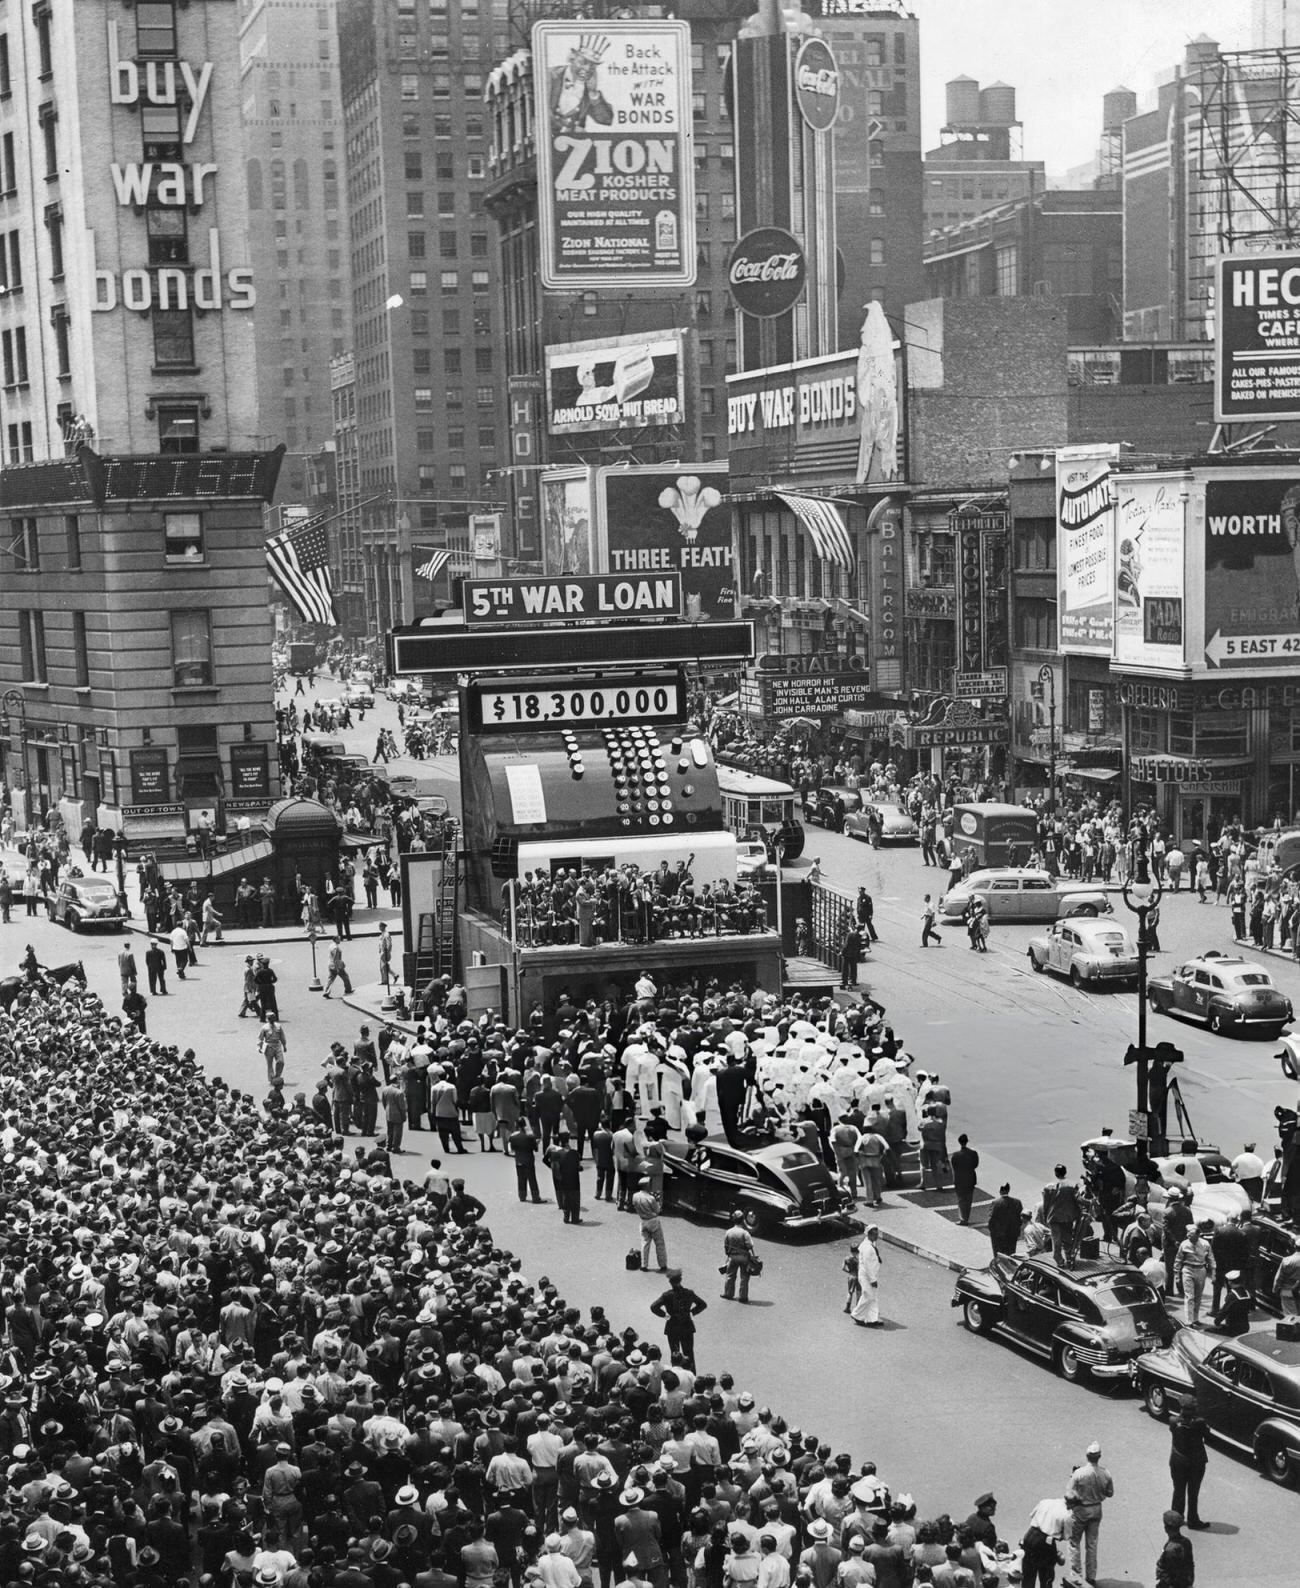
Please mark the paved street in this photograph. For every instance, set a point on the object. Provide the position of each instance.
(943, 1413)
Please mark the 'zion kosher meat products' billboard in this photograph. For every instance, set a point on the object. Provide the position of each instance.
(615, 168)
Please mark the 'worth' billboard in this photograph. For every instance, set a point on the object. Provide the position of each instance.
(661, 520)
(1252, 573)
(1084, 550)
(615, 382)
(615, 167)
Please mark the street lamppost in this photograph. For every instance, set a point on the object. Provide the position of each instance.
(1142, 897)
(1047, 680)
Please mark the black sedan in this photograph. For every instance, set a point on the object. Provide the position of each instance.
(828, 806)
(778, 1185)
(1248, 1391)
(1091, 1320)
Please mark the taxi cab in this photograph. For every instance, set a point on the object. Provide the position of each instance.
(1086, 951)
(1017, 894)
(1228, 993)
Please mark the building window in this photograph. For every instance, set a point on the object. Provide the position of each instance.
(419, 283)
(414, 165)
(44, 46)
(446, 203)
(484, 396)
(410, 87)
(72, 539)
(80, 650)
(178, 427)
(1035, 623)
(424, 441)
(183, 537)
(6, 84)
(451, 322)
(456, 440)
(49, 122)
(173, 338)
(450, 280)
(54, 226)
(876, 251)
(447, 244)
(168, 243)
(487, 438)
(451, 360)
(25, 544)
(155, 27)
(455, 399)
(415, 245)
(31, 644)
(423, 398)
(1035, 544)
(478, 245)
(60, 323)
(14, 345)
(480, 280)
(191, 648)
(1006, 269)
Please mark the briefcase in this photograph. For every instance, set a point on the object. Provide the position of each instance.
(633, 1259)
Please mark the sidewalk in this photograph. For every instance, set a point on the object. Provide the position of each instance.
(365, 922)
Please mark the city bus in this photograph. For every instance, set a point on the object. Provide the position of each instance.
(754, 806)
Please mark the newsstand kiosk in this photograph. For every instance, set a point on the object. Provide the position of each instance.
(578, 757)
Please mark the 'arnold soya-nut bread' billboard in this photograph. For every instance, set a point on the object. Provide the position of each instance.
(664, 519)
(616, 382)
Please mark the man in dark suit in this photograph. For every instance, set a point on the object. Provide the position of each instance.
(1005, 1212)
(731, 1098)
(566, 1176)
(965, 1165)
(584, 1106)
(1061, 1215)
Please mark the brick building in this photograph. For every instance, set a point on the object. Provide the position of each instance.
(134, 631)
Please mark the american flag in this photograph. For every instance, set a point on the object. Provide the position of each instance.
(825, 525)
(299, 564)
(431, 568)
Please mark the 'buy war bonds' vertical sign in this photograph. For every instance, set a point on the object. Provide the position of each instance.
(615, 169)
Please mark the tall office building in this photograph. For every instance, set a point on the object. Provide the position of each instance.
(134, 630)
(293, 126)
(425, 306)
(878, 171)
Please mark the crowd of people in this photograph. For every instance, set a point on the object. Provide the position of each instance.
(237, 1352)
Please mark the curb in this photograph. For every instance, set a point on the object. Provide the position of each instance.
(917, 1250)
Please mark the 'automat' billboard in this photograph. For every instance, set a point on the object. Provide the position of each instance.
(1149, 549)
(1084, 550)
(1252, 573)
(615, 168)
(616, 381)
(671, 520)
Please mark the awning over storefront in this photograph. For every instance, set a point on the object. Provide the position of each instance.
(1095, 774)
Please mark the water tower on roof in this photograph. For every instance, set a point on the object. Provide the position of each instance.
(981, 123)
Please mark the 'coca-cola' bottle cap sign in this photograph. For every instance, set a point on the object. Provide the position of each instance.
(766, 272)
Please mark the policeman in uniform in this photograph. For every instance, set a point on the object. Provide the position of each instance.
(678, 1308)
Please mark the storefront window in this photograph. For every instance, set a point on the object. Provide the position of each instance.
(1219, 733)
(1145, 733)
(936, 562)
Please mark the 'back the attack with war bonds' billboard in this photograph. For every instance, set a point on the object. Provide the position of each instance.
(615, 168)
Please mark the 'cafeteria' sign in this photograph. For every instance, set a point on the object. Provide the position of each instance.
(581, 599)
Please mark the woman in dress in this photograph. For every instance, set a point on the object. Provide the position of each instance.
(866, 1310)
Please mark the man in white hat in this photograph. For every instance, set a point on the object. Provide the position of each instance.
(1089, 1487)
(554, 1567)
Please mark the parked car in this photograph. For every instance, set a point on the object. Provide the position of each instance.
(1086, 951)
(1248, 1391)
(407, 689)
(359, 695)
(829, 805)
(1015, 894)
(1204, 1172)
(1091, 1320)
(896, 826)
(779, 1185)
(752, 862)
(1228, 993)
(86, 901)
